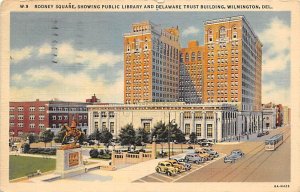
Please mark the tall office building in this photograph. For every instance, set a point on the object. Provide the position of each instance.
(151, 63)
(233, 63)
(191, 73)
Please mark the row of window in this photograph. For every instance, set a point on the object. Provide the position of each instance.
(31, 125)
(42, 108)
(187, 129)
(111, 127)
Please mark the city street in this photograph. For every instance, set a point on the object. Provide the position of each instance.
(258, 165)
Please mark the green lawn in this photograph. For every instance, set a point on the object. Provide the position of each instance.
(20, 166)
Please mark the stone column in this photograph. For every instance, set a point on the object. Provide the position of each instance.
(181, 122)
(113, 158)
(204, 125)
(153, 152)
(193, 127)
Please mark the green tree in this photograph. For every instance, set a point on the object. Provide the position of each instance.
(161, 133)
(46, 136)
(95, 135)
(105, 136)
(127, 135)
(193, 137)
(33, 138)
(142, 136)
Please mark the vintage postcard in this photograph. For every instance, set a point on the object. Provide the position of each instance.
(149, 95)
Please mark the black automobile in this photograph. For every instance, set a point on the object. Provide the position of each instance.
(260, 134)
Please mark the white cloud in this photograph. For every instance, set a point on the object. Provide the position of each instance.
(67, 54)
(273, 93)
(276, 37)
(18, 55)
(191, 30)
(70, 87)
(45, 49)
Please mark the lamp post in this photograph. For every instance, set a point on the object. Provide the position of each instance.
(169, 126)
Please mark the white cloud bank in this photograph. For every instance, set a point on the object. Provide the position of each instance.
(276, 58)
(191, 30)
(70, 87)
(277, 38)
(67, 54)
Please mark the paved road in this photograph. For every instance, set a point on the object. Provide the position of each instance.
(258, 165)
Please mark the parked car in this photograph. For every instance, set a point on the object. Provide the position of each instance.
(194, 157)
(184, 162)
(266, 132)
(175, 164)
(235, 155)
(205, 143)
(260, 134)
(167, 168)
(210, 151)
(203, 154)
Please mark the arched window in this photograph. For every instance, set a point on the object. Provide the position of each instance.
(199, 56)
(234, 33)
(210, 36)
(222, 34)
(193, 56)
(187, 57)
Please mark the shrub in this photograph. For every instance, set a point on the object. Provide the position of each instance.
(101, 152)
(94, 153)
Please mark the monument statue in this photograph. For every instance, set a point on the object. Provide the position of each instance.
(72, 132)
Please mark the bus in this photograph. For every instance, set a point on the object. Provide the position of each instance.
(274, 142)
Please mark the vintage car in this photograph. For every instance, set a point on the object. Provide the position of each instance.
(167, 168)
(235, 155)
(194, 157)
(210, 151)
(203, 154)
(183, 162)
(175, 164)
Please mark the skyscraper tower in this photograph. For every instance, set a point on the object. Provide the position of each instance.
(151, 63)
(233, 63)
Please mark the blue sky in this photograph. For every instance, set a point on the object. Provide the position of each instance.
(89, 51)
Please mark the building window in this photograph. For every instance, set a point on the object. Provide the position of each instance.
(41, 108)
(209, 130)
(85, 124)
(20, 125)
(111, 114)
(11, 108)
(11, 117)
(66, 117)
(53, 125)
(32, 125)
(41, 126)
(187, 128)
(222, 34)
(198, 130)
(20, 117)
(112, 127)
(187, 57)
(187, 115)
(31, 108)
(199, 56)
(210, 36)
(41, 117)
(96, 114)
(147, 127)
(96, 125)
(20, 109)
(103, 114)
(85, 116)
(53, 117)
(59, 117)
(104, 125)
(198, 115)
(11, 124)
(31, 117)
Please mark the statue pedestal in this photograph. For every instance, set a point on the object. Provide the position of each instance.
(69, 162)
